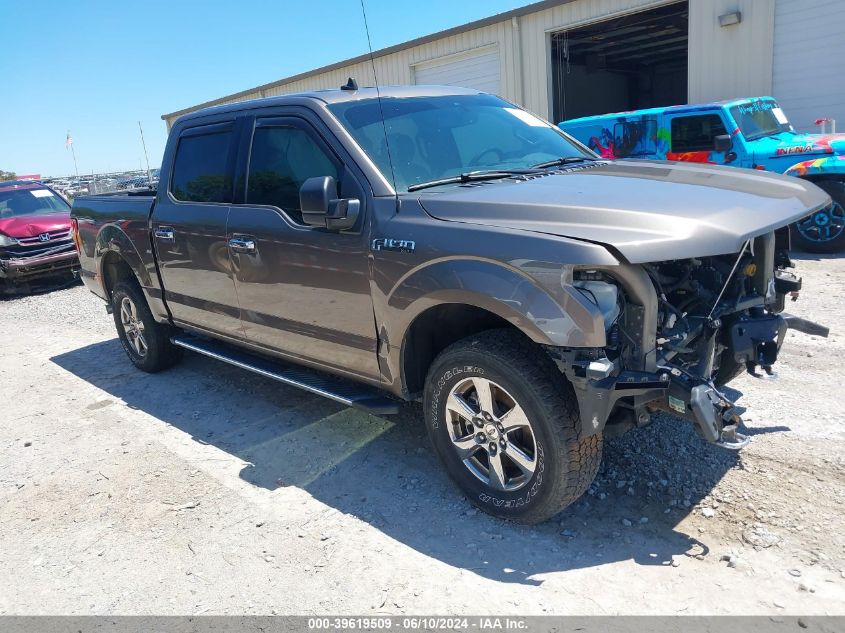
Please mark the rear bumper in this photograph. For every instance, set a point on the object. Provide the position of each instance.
(27, 268)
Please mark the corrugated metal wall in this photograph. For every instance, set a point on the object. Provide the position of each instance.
(724, 62)
(809, 61)
(395, 69)
(730, 61)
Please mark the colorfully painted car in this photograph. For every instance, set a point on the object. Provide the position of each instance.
(752, 133)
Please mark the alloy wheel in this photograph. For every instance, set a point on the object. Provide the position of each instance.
(824, 225)
(491, 434)
(133, 326)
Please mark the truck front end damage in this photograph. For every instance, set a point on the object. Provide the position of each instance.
(677, 331)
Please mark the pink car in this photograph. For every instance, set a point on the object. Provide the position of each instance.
(35, 236)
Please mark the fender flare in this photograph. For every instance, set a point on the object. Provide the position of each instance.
(113, 239)
(826, 166)
(559, 316)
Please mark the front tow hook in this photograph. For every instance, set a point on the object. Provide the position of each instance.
(717, 419)
(803, 325)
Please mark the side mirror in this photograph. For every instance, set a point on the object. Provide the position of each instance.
(321, 207)
(723, 143)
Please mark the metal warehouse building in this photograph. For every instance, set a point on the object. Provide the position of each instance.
(568, 58)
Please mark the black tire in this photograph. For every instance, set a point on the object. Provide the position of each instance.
(824, 231)
(565, 463)
(157, 352)
(728, 370)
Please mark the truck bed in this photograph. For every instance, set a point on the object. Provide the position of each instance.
(116, 206)
(121, 220)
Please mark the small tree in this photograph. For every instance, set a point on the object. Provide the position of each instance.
(7, 175)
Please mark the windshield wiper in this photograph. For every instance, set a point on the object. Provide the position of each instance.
(564, 160)
(469, 177)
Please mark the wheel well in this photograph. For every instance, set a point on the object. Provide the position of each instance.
(436, 329)
(115, 269)
(822, 177)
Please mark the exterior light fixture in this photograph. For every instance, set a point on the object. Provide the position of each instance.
(727, 19)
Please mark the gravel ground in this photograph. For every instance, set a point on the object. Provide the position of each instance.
(206, 489)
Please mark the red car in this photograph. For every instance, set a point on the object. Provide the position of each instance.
(35, 237)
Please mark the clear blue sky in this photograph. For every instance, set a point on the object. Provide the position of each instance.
(97, 68)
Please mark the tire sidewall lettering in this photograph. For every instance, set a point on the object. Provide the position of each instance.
(437, 412)
(438, 389)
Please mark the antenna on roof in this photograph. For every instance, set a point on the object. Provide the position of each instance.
(381, 109)
(350, 84)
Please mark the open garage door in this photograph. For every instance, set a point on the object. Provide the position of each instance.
(473, 69)
(627, 63)
(807, 77)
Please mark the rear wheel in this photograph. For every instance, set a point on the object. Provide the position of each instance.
(824, 230)
(506, 425)
(146, 342)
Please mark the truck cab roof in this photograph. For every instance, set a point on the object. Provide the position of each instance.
(335, 95)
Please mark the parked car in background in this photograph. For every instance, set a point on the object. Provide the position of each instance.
(35, 239)
(752, 133)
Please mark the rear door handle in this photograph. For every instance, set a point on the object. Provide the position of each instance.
(165, 233)
(242, 244)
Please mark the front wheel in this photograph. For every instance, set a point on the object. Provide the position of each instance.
(505, 423)
(824, 230)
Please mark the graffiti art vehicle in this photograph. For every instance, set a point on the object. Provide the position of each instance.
(752, 133)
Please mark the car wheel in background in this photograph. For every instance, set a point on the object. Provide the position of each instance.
(824, 230)
(146, 342)
(505, 423)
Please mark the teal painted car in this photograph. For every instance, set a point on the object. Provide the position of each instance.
(752, 133)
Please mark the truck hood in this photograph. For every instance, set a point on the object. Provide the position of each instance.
(646, 210)
(33, 225)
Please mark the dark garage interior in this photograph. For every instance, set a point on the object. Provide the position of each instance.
(636, 61)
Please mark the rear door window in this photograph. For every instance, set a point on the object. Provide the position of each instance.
(201, 169)
(696, 133)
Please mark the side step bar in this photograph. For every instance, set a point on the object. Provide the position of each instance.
(348, 393)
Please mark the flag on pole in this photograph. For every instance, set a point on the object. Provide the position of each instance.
(68, 140)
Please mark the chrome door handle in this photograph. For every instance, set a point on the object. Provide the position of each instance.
(165, 233)
(242, 244)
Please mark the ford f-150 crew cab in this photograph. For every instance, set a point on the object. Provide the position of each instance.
(445, 246)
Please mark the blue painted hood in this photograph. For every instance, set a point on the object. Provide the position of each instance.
(798, 146)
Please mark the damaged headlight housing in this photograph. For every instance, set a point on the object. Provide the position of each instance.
(5, 240)
(604, 295)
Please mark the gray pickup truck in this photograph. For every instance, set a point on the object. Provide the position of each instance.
(442, 245)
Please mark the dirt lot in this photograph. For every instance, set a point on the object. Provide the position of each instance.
(206, 489)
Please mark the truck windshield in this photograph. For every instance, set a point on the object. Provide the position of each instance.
(30, 201)
(757, 119)
(434, 138)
